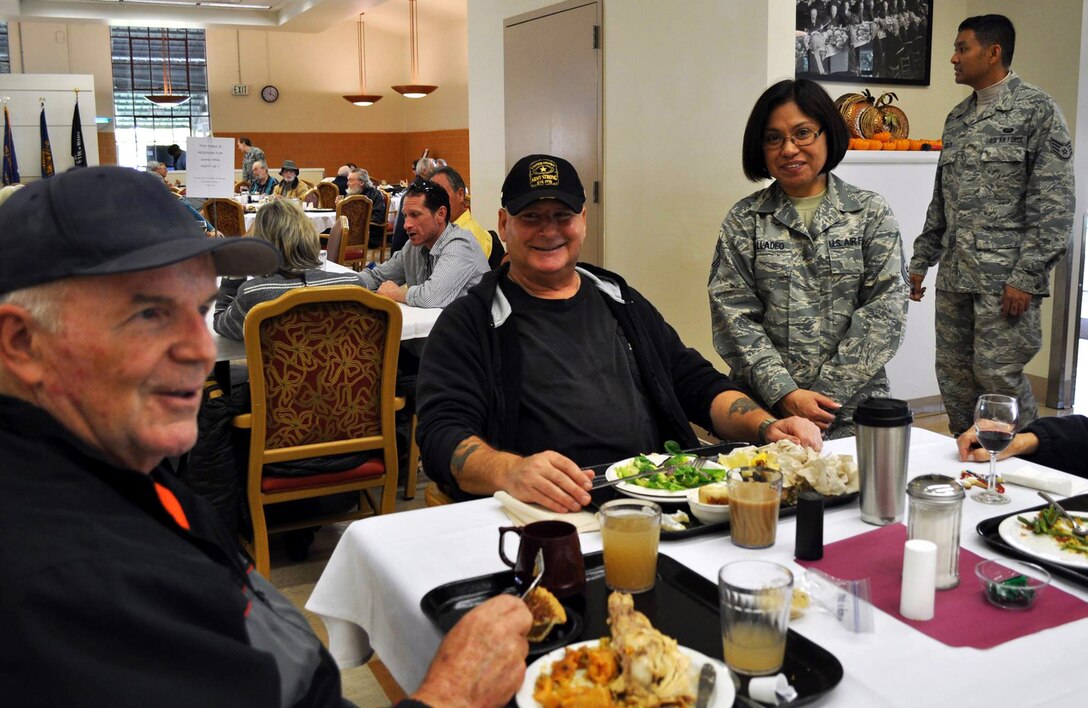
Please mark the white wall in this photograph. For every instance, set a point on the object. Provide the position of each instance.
(25, 90)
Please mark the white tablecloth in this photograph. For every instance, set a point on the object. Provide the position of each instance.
(416, 323)
(322, 220)
(384, 565)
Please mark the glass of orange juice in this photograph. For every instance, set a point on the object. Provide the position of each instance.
(630, 531)
(755, 612)
(754, 497)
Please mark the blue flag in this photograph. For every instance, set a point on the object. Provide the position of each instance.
(79, 150)
(11, 165)
(47, 149)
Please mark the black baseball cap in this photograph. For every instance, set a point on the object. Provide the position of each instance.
(109, 220)
(536, 177)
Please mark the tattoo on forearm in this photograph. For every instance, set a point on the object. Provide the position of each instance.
(743, 406)
(460, 456)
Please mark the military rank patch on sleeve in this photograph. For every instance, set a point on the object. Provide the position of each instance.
(1064, 150)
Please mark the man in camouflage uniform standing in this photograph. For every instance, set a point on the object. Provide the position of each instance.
(1000, 219)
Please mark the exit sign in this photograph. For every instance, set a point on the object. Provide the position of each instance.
(240, 90)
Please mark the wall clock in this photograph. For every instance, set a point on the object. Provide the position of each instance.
(270, 93)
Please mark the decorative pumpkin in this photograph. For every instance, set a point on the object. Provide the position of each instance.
(869, 117)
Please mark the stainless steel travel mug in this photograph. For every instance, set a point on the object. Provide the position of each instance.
(883, 441)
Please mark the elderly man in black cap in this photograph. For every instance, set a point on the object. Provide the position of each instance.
(120, 587)
(549, 365)
(290, 186)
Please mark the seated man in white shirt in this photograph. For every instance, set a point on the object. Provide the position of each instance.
(440, 262)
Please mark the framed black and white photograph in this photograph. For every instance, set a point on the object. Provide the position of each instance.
(864, 41)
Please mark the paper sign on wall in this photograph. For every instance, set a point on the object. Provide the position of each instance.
(209, 167)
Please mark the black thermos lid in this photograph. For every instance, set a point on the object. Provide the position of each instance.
(883, 413)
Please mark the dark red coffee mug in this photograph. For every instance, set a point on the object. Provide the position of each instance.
(564, 569)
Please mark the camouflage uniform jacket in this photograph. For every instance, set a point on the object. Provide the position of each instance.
(822, 308)
(1003, 200)
(254, 154)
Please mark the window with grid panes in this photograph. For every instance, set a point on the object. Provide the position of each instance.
(5, 53)
(139, 55)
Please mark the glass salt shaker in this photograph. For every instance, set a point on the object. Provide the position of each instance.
(936, 508)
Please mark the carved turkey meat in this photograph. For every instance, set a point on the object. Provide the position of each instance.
(653, 671)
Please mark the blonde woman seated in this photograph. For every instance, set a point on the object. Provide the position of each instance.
(285, 226)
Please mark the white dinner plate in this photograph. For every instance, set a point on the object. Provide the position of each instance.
(657, 495)
(1042, 547)
(723, 695)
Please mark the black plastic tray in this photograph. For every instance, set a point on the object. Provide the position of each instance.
(682, 604)
(988, 530)
(696, 527)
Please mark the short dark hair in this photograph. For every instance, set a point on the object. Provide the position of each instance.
(993, 29)
(434, 196)
(814, 102)
(245, 141)
(452, 175)
(174, 150)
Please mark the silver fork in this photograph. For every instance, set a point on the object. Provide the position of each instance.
(1078, 530)
(538, 572)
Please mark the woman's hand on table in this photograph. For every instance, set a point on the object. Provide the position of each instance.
(482, 660)
(796, 429)
(812, 405)
(971, 451)
(552, 480)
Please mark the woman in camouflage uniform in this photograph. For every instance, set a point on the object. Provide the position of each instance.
(807, 290)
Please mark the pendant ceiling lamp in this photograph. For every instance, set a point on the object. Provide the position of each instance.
(414, 89)
(362, 98)
(166, 99)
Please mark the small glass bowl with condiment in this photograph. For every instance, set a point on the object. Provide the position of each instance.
(1011, 584)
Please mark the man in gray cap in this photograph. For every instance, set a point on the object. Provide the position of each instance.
(290, 185)
(120, 586)
(549, 365)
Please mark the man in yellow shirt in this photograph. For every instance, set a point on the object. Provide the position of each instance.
(290, 186)
(448, 179)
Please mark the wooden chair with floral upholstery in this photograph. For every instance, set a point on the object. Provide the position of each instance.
(359, 209)
(329, 192)
(226, 215)
(311, 197)
(239, 184)
(323, 368)
(381, 227)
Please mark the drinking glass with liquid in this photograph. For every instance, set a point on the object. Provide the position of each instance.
(755, 612)
(630, 531)
(754, 496)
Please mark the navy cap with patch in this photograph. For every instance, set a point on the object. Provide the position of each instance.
(536, 177)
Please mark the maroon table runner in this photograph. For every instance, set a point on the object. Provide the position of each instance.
(963, 617)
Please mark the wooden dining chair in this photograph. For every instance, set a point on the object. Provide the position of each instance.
(358, 209)
(322, 366)
(239, 184)
(227, 216)
(311, 197)
(337, 244)
(379, 231)
(329, 192)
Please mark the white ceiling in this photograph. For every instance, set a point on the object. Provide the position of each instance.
(288, 15)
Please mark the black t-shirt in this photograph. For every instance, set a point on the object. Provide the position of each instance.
(581, 393)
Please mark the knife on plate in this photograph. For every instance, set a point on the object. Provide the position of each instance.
(706, 685)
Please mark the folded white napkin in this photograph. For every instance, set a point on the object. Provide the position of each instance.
(1047, 480)
(522, 513)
